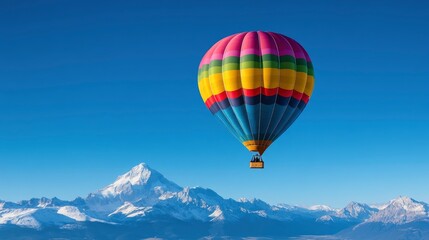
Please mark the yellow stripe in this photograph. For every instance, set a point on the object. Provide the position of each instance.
(251, 78)
(287, 79)
(204, 88)
(309, 86)
(216, 83)
(232, 80)
(271, 77)
(301, 80)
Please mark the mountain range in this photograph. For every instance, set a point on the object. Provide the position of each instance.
(143, 204)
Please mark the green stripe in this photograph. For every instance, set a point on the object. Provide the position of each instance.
(249, 64)
(216, 63)
(287, 58)
(254, 61)
(250, 58)
(287, 65)
(231, 66)
(231, 60)
(215, 69)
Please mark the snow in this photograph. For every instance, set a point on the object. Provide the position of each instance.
(401, 210)
(73, 213)
(145, 194)
(358, 211)
(320, 208)
(138, 175)
(141, 184)
(167, 195)
(131, 211)
(20, 217)
(217, 215)
(325, 218)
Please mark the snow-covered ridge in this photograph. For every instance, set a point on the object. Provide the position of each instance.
(359, 211)
(401, 210)
(321, 208)
(145, 194)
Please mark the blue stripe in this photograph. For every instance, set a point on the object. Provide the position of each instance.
(230, 116)
(280, 100)
(243, 120)
(223, 119)
(241, 114)
(295, 115)
(288, 113)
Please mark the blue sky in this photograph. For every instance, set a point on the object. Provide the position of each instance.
(88, 89)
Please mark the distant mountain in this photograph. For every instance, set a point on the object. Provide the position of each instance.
(357, 211)
(402, 210)
(401, 218)
(142, 203)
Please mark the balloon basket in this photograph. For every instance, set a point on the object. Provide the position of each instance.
(257, 162)
(257, 165)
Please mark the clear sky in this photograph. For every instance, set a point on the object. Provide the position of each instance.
(88, 89)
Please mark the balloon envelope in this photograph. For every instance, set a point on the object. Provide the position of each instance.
(257, 84)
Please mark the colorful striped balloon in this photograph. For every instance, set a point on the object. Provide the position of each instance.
(257, 84)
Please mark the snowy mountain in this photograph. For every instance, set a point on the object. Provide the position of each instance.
(142, 184)
(143, 199)
(401, 218)
(402, 210)
(358, 211)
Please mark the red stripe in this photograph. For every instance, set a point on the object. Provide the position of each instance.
(260, 90)
(297, 95)
(221, 96)
(251, 92)
(235, 94)
(305, 98)
(269, 91)
(255, 92)
(210, 101)
(285, 93)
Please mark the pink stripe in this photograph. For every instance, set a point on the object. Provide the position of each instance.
(299, 50)
(289, 52)
(234, 46)
(216, 56)
(206, 58)
(250, 51)
(267, 44)
(232, 53)
(296, 47)
(250, 44)
(306, 55)
(284, 47)
(269, 51)
(204, 61)
(258, 43)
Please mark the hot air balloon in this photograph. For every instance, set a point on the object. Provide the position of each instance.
(257, 84)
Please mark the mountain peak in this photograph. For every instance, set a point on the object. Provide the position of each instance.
(320, 208)
(403, 201)
(138, 175)
(141, 184)
(402, 210)
(356, 210)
